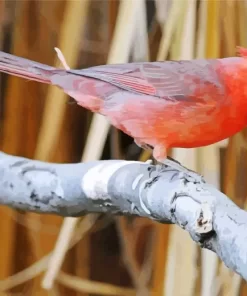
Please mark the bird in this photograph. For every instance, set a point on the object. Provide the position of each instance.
(162, 104)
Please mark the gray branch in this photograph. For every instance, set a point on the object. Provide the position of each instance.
(130, 188)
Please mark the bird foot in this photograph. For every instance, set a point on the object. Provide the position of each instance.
(174, 160)
(179, 167)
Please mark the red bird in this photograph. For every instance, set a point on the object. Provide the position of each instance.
(187, 104)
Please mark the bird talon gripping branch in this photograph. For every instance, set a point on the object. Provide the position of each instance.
(189, 174)
(196, 177)
(161, 105)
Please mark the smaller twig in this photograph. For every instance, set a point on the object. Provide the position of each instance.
(92, 287)
(39, 266)
(102, 223)
(115, 143)
(62, 58)
(59, 252)
(147, 266)
(127, 251)
(129, 257)
(66, 233)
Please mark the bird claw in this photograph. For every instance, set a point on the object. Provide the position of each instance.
(195, 176)
(173, 160)
(170, 162)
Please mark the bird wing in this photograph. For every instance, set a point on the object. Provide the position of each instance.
(194, 80)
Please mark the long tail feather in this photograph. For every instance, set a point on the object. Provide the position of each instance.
(25, 68)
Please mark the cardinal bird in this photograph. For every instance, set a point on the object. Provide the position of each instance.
(188, 103)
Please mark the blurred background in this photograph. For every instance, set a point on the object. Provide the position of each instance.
(99, 254)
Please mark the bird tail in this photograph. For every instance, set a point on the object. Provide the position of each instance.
(25, 68)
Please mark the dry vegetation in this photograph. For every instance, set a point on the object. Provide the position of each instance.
(100, 255)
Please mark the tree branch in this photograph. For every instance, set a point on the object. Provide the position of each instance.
(129, 188)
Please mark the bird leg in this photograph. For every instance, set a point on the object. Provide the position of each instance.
(169, 160)
(145, 147)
